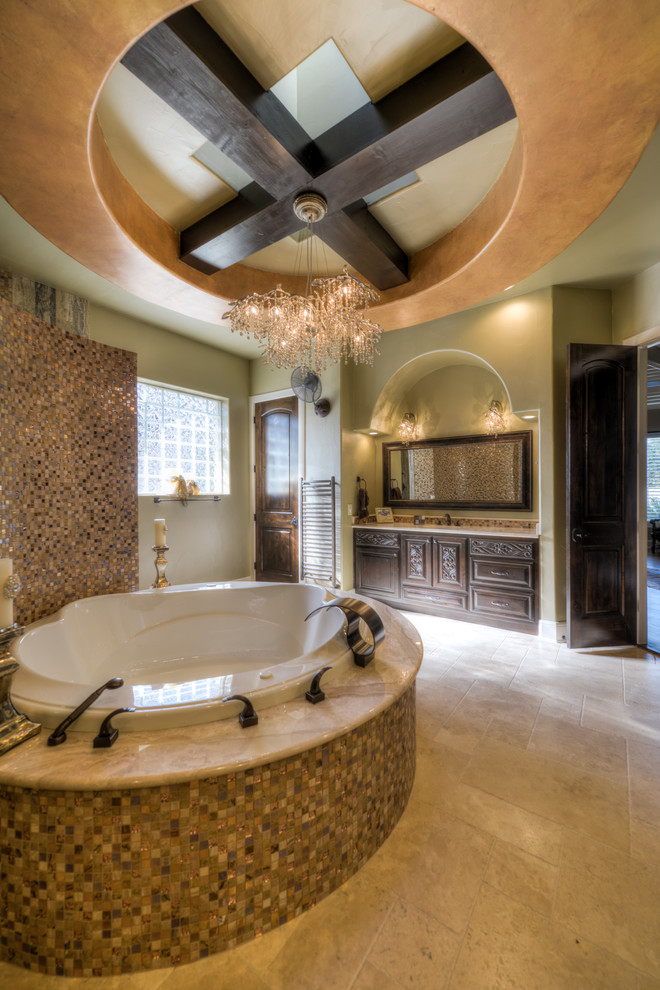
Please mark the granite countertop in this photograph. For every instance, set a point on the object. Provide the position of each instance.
(165, 756)
(501, 532)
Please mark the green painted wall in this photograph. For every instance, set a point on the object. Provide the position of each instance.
(208, 541)
(636, 307)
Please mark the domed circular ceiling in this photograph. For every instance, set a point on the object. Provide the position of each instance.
(459, 146)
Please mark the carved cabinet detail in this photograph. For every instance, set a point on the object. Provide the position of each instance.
(487, 580)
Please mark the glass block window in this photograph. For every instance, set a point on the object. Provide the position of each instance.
(184, 433)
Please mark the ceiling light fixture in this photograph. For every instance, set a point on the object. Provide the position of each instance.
(321, 328)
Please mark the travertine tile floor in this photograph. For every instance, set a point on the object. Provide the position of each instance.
(528, 856)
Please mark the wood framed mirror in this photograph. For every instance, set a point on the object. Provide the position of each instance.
(477, 472)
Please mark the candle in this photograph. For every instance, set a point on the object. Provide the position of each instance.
(6, 604)
(160, 529)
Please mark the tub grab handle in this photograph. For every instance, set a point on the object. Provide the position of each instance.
(107, 734)
(248, 716)
(354, 610)
(58, 735)
(315, 694)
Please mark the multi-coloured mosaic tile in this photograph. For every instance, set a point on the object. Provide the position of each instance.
(68, 446)
(104, 882)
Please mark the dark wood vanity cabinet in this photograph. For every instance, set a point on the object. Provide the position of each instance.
(491, 580)
(434, 571)
(377, 565)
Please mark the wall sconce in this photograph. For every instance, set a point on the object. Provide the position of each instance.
(408, 428)
(495, 418)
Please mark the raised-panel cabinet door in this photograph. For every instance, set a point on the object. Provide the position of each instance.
(417, 560)
(276, 488)
(449, 560)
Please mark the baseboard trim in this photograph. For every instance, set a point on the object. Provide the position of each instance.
(555, 631)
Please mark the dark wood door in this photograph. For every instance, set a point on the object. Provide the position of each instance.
(276, 486)
(602, 495)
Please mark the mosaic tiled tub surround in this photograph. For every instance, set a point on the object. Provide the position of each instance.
(124, 878)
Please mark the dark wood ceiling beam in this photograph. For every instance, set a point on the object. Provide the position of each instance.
(375, 121)
(475, 110)
(362, 242)
(478, 108)
(188, 66)
(248, 233)
(446, 105)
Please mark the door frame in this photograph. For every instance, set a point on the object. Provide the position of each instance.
(642, 341)
(284, 393)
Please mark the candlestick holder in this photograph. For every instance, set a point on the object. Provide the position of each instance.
(161, 563)
(15, 728)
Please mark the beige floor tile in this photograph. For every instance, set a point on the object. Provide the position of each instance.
(553, 790)
(570, 711)
(16, 978)
(442, 874)
(642, 686)
(631, 721)
(644, 780)
(463, 729)
(529, 832)
(486, 669)
(439, 769)
(415, 949)
(588, 749)
(512, 948)
(611, 899)
(645, 840)
(565, 681)
(327, 948)
(259, 952)
(223, 971)
(522, 877)
(372, 978)
(435, 705)
(515, 734)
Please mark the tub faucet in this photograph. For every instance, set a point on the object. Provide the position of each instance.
(447, 519)
(58, 735)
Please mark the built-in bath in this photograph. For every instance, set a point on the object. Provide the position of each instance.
(179, 652)
(183, 841)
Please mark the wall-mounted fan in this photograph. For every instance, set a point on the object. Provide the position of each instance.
(307, 386)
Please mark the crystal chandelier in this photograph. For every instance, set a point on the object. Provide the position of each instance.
(325, 326)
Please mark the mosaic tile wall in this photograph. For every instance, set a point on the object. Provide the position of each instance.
(55, 306)
(107, 882)
(68, 447)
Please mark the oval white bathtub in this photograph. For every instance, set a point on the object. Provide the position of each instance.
(179, 650)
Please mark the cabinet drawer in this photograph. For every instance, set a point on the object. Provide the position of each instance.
(376, 539)
(429, 598)
(504, 573)
(502, 549)
(506, 605)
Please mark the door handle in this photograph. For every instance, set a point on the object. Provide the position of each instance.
(578, 534)
(294, 521)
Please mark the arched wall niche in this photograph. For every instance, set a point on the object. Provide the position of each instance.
(447, 390)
